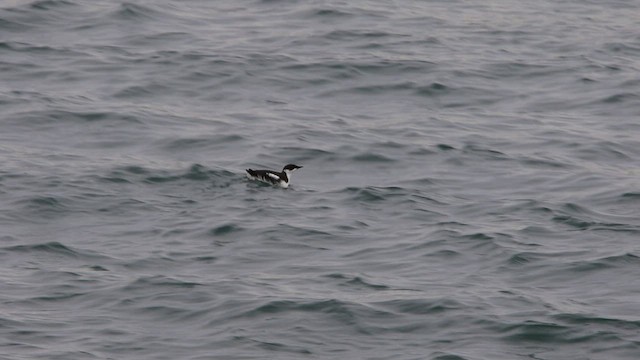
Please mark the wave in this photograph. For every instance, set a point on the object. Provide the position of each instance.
(196, 172)
(135, 12)
(53, 248)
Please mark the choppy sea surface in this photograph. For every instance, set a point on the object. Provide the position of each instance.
(470, 187)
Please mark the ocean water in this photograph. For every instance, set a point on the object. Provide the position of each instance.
(470, 187)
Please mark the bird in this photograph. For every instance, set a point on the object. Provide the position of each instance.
(282, 179)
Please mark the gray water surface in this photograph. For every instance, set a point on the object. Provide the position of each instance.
(470, 184)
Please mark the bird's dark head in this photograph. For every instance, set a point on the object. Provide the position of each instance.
(290, 167)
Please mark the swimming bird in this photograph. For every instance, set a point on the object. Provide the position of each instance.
(283, 179)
